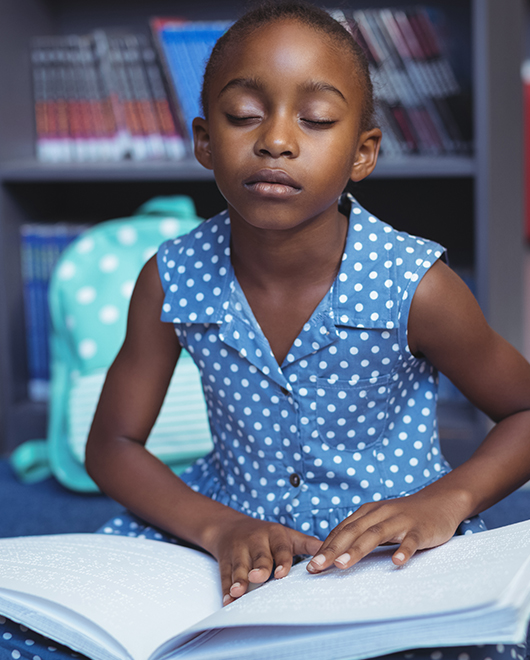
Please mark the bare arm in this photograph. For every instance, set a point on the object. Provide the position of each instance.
(447, 326)
(118, 462)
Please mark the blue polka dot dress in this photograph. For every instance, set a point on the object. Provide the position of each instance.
(348, 418)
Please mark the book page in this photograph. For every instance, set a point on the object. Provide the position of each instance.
(141, 592)
(467, 572)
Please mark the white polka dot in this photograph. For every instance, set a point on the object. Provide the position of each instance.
(87, 349)
(109, 263)
(86, 295)
(169, 227)
(66, 270)
(127, 235)
(85, 245)
(109, 314)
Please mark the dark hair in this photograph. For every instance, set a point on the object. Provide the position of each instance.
(270, 11)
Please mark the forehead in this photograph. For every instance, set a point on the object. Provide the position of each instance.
(295, 51)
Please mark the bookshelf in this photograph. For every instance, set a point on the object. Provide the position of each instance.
(471, 204)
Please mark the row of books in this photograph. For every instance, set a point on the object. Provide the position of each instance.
(421, 106)
(41, 245)
(111, 96)
(101, 97)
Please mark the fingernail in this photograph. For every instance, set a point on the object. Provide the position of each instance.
(234, 586)
(278, 569)
(254, 570)
(399, 556)
(343, 559)
(226, 599)
(318, 560)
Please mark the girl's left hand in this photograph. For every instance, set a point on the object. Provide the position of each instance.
(415, 522)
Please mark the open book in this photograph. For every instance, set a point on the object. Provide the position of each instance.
(113, 597)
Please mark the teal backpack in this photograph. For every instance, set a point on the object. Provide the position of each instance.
(88, 298)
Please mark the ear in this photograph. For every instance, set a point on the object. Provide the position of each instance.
(201, 142)
(367, 152)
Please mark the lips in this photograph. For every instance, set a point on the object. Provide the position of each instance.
(272, 183)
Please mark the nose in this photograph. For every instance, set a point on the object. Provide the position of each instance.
(277, 137)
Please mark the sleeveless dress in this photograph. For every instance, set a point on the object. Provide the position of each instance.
(348, 418)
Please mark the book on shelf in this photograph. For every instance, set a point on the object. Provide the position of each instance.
(184, 48)
(420, 104)
(101, 97)
(41, 245)
(122, 598)
(113, 95)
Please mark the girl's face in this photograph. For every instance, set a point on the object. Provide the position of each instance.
(282, 135)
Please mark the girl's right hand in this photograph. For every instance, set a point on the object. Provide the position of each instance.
(247, 551)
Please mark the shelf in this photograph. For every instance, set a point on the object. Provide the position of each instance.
(426, 167)
(31, 171)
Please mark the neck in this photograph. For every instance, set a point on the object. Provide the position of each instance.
(300, 257)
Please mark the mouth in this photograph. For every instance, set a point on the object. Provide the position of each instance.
(272, 183)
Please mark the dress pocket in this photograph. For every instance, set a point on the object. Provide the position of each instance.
(352, 415)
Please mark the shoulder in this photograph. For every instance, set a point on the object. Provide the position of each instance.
(388, 248)
(381, 269)
(444, 311)
(194, 250)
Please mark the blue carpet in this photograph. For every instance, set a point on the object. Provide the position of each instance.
(49, 508)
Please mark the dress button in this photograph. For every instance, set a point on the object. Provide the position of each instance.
(284, 391)
(294, 479)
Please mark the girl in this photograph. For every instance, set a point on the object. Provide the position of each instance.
(317, 329)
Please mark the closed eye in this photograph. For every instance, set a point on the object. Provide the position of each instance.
(237, 119)
(319, 123)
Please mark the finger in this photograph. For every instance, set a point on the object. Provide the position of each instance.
(337, 543)
(298, 544)
(225, 569)
(283, 548)
(261, 565)
(408, 547)
(234, 571)
(241, 567)
(353, 542)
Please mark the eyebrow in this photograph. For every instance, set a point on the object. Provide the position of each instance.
(255, 84)
(247, 83)
(321, 86)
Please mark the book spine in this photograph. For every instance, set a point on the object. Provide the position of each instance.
(27, 259)
(454, 107)
(139, 147)
(56, 147)
(41, 246)
(113, 109)
(384, 85)
(420, 81)
(429, 142)
(158, 27)
(65, 56)
(87, 144)
(43, 110)
(103, 133)
(141, 93)
(171, 133)
(184, 49)
(425, 76)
